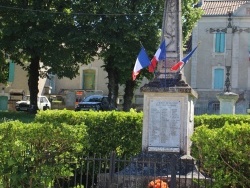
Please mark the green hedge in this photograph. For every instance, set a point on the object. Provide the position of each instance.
(33, 154)
(21, 116)
(220, 142)
(107, 131)
(218, 121)
(224, 153)
(27, 149)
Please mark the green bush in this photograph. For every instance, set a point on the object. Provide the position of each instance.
(218, 121)
(220, 142)
(32, 155)
(224, 154)
(107, 131)
(21, 116)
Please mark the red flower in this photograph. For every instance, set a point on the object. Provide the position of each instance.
(158, 183)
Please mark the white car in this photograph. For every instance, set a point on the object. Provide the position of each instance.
(43, 103)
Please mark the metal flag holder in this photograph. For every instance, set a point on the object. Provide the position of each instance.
(167, 79)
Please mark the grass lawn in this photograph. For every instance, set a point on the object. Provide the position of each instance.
(21, 116)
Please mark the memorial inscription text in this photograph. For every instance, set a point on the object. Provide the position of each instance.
(164, 123)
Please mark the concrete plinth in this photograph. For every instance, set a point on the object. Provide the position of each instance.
(227, 102)
(168, 120)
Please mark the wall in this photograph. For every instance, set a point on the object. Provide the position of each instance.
(236, 55)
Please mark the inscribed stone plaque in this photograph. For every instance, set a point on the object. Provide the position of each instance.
(164, 123)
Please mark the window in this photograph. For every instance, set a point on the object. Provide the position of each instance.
(218, 78)
(52, 83)
(88, 82)
(220, 42)
(215, 107)
(43, 100)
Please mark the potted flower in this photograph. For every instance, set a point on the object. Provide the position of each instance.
(158, 183)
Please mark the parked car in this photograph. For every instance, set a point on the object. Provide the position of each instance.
(94, 102)
(43, 103)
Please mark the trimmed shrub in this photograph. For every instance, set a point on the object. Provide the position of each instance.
(12, 116)
(224, 153)
(33, 155)
(218, 121)
(107, 130)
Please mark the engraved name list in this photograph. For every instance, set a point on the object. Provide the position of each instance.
(164, 123)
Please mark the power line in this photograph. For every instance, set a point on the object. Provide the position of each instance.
(102, 14)
(77, 13)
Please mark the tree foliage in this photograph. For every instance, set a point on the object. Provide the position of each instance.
(190, 15)
(44, 31)
(3, 69)
(121, 28)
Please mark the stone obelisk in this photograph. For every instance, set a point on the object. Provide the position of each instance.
(168, 100)
(168, 113)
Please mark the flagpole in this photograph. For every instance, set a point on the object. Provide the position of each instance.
(141, 45)
(163, 39)
(165, 73)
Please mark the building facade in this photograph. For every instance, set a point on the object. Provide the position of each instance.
(222, 60)
(91, 79)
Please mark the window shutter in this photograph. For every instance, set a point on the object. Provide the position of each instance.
(88, 82)
(218, 78)
(217, 42)
(222, 42)
(11, 71)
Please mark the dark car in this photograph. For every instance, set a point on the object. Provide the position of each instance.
(94, 102)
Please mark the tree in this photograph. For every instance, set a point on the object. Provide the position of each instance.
(121, 27)
(3, 69)
(34, 31)
(190, 15)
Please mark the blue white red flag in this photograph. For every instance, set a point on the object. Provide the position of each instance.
(182, 63)
(142, 61)
(159, 55)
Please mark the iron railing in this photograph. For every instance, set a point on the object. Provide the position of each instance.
(206, 110)
(110, 171)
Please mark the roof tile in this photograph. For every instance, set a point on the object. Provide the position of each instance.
(220, 7)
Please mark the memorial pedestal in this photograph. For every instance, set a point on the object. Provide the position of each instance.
(227, 102)
(168, 109)
(168, 118)
(168, 123)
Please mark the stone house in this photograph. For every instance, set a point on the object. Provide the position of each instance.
(222, 60)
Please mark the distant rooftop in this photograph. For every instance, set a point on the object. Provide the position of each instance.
(221, 7)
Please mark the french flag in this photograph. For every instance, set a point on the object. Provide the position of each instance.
(142, 61)
(181, 63)
(159, 55)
